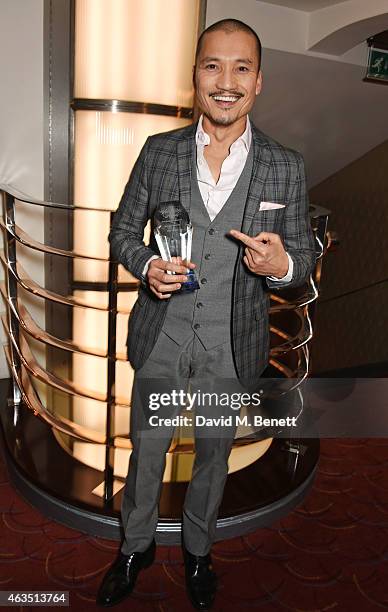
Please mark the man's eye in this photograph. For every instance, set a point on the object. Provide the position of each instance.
(211, 66)
(243, 69)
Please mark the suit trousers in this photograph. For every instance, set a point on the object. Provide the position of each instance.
(171, 367)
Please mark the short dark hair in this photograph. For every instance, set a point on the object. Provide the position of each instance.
(230, 25)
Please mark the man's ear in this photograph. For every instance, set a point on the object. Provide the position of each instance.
(194, 76)
(259, 82)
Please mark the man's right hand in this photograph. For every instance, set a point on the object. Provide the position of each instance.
(163, 284)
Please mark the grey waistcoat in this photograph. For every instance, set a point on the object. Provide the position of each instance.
(207, 311)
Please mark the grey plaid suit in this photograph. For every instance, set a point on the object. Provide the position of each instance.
(163, 172)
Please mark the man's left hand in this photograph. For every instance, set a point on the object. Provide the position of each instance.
(264, 253)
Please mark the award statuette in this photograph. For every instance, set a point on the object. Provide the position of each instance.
(173, 233)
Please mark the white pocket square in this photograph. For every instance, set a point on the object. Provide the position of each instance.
(270, 205)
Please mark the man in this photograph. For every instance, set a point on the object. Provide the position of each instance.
(246, 196)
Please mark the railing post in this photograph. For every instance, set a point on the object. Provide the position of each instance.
(111, 378)
(12, 290)
(319, 239)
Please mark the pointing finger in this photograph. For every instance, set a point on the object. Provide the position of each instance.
(250, 242)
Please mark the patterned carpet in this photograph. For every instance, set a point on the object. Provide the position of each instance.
(331, 553)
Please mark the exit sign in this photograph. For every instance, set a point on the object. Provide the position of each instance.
(377, 69)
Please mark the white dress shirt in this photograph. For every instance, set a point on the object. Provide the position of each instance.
(215, 194)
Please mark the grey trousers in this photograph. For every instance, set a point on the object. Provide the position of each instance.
(174, 366)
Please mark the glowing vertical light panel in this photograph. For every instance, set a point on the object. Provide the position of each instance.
(132, 78)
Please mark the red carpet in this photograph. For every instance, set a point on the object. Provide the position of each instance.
(329, 554)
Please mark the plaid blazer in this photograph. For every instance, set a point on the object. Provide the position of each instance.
(162, 172)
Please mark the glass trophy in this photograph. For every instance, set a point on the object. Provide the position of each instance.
(174, 233)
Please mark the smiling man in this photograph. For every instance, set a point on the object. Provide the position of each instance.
(246, 196)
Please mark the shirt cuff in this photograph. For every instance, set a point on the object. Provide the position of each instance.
(288, 277)
(145, 269)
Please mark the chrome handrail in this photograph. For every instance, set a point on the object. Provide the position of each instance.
(26, 199)
(21, 236)
(25, 281)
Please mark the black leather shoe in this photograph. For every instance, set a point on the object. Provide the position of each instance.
(120, 579)
(201, 580)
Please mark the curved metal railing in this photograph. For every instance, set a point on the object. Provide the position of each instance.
(290, 327)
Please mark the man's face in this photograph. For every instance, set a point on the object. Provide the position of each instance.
(226, 76)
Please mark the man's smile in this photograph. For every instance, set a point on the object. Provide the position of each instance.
(225, 100)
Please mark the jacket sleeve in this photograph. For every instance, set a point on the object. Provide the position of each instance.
(298, 237)
(131, 217)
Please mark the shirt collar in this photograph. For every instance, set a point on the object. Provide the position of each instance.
(202, 138)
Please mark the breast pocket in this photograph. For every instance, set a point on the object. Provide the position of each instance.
(268, 221)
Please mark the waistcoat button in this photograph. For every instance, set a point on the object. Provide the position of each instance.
(204, 281)
(199, 304)
(211, 231)
(197, 326)
(207, 256)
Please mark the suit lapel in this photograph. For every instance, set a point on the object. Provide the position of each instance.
(261, 164)
(185, 152)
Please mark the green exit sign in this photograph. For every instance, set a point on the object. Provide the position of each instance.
(377, 69)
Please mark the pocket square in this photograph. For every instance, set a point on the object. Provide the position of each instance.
(270, 205)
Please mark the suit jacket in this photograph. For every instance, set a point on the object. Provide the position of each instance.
(162, 172)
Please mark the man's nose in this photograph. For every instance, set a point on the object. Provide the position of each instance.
(226, 79)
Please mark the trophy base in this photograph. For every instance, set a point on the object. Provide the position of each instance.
(189, 285)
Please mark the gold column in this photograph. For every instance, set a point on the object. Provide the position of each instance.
(132, 78)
